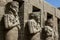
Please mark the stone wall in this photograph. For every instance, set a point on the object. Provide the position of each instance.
(25, 9)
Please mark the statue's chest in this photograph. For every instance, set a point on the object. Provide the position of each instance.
(12, 18)
(36, 25)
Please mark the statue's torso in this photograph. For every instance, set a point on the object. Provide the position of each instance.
(12, 34)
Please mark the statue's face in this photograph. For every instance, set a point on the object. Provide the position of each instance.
(50, 22)
(38, 18)
(14, 6)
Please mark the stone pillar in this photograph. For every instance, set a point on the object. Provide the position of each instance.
(55, 28)
(2, 5)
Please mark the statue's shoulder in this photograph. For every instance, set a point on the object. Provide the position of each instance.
(48, 27)
(33, 21)
(6, 15)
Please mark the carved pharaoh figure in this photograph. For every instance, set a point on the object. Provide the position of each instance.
(33, 27)
(49, 29)
(11, 19)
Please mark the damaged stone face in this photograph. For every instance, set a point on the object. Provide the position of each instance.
(12, 22)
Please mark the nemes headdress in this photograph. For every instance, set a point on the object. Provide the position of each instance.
(34, 15)
(14, 3)
(9, 6)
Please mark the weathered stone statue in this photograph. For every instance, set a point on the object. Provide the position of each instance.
(12, 21)
(49, 29)
(33, 27)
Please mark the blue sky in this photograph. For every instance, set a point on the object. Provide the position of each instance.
(55, 3)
